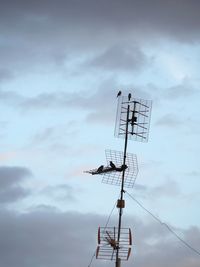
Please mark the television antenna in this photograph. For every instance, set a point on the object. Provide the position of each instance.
(132, 122)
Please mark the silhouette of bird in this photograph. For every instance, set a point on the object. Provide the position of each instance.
(124, 166)
(112, 165)
(129, 96)
(100, 169)
(119, 93)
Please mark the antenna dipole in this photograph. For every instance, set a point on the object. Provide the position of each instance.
(132, 122)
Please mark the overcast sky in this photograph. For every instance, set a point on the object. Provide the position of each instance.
(62, 64)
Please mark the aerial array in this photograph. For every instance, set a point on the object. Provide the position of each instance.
(121, 169)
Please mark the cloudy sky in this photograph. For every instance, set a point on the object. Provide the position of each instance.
(62, 64)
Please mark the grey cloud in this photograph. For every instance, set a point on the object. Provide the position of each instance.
(192, 234)
(179, 19)
(12, 194)
(56, 100)
(194, 174)
(5, 74)
(122, 58)
(180, 121)
(10, 97)
(159, 247)
(10, 183)
(140, 187)
(48, 237)
(43, 100)
(169, 120)
(11, 175)
(62, 192)
(50, 32)
(44, 135)
(104, 98)
(97, 105)
(53, 138)
(82, 99)
(168, 189)
(184, 90)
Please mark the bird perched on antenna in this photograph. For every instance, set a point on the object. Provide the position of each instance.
(119, 93)
(112, 165)
(129, 96)
(100, 169)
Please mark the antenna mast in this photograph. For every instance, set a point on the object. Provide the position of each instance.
(121, 202)
(132, 122)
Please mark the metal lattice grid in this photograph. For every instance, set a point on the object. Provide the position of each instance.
(138, 118)
(107, 243)
(115, 177)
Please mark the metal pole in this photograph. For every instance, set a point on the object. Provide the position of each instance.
(118, 260)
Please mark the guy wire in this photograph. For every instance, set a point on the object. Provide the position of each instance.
(107, 222)
(166, 225)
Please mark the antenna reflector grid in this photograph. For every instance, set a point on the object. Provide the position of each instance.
(138, 118)
(131, 171)
(108, 244)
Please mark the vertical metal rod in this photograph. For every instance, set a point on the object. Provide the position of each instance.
(133, 117)
(118, 260)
